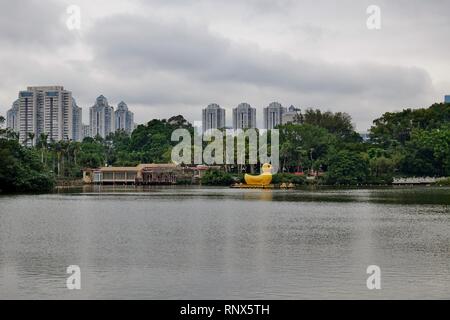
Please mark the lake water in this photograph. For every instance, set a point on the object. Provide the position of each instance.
(220, 243)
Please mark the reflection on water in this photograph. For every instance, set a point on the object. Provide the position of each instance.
(208, 243)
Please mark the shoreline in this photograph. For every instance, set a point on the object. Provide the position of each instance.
(312, 187)
(274, 187)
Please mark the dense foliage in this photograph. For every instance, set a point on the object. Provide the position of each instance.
(347, 167)
(415, 142)
(36, 169)
(21, 169)
(323, 144)
(288, 178)
(396, 128)
(407, 143)
(217, 178)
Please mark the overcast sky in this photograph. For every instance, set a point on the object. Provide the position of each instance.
(165, 57)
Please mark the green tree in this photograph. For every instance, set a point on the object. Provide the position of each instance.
(347, 168)
(30, 137)
(92, 153)
(428, 152)
(394, 128)
(339, 123)
(22, 170)
(151, 142)
(304, 146)
(42, 144)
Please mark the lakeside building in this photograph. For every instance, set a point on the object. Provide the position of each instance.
(77, 115)
(12, 117)
(101, 118)
(45, 109)
(244, 117)
(124, 118)
(447, 99)
(143, 174)
(290, 116)
(213, 117)
(273, 115)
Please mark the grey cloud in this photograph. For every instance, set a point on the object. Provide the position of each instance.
(136, 46)
(30, 25)
(191, 53)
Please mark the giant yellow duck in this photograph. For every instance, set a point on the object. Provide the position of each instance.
(263, 179)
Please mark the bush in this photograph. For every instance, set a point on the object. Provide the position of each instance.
(217, 178)
(288, 178)
(380, 180)
(443, 182)
(184, 181)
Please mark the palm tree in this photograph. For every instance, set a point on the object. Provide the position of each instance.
(58, 151)
(75, 149)
(10, 134)
(64, 153)
(43, 145)
(312, 160)
(29, 137)
(285, 153)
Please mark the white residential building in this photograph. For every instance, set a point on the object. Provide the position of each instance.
(273, 115)
(290, 116)
(244, 117)
(101, 116)
(77, 126)
(213, 117)
(124, 118)
(45, 109)
(86, 131)
(12, 117)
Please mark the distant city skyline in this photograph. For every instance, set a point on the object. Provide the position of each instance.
(53, 111)
(103, 119)
(245, 116)
(229, 120)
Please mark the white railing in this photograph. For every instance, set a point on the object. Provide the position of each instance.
(417, 180)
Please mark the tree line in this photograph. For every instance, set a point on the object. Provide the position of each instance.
(325, 144)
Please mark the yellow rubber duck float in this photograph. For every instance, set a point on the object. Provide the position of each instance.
(264, 179)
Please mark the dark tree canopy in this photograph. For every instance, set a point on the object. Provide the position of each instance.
(396, 127)
(339, 123)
